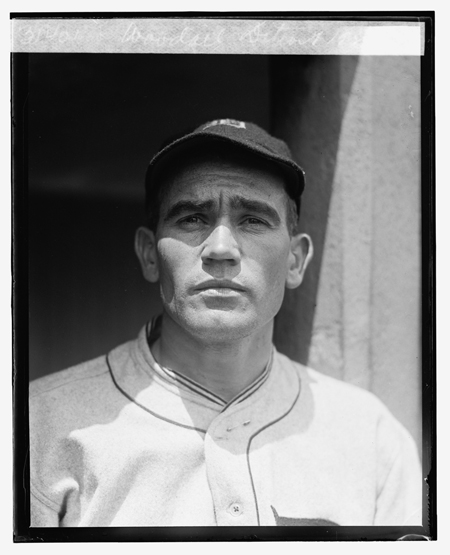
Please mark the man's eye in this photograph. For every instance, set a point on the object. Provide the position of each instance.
(191, 220)
(252, 221)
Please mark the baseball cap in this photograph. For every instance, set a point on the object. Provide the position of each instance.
(241, 134)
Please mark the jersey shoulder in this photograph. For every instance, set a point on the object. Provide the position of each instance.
(81, 393)
(336, 394)
(69, 378)
(345, 406)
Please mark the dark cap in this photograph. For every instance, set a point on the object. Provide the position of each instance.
(242, 134)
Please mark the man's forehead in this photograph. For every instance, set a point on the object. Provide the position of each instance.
(213, 179)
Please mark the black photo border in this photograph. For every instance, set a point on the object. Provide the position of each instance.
(22, 530)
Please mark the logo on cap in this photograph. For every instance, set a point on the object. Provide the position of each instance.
(231, 122)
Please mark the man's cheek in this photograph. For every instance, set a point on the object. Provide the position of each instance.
(272, 272)
(174, 270)
(167, 284)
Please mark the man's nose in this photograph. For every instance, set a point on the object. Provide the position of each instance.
(221, 245)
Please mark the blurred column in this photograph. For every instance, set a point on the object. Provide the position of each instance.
(354, 125)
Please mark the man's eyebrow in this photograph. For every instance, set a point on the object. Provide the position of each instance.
(184, 206)
(255, 206)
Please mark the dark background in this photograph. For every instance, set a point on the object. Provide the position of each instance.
(94, 122)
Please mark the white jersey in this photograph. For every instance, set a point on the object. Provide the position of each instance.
(121, 441)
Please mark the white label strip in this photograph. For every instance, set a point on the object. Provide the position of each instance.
(218, 36)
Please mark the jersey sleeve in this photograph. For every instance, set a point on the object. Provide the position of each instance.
(42, 515)
(399, 500)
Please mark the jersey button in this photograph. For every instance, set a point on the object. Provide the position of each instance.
(235, 509)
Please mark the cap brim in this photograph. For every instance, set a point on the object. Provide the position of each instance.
(292, 171)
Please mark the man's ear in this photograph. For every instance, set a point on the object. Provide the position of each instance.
(145, 247)
(299, 258)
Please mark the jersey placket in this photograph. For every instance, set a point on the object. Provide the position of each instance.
(228, 452)
(227, 470)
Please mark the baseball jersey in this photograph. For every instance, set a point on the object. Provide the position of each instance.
(122, 441)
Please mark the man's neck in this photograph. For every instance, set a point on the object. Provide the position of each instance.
(225, 368)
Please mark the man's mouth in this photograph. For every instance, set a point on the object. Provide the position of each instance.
(220, 287)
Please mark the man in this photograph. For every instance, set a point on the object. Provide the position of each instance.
(200, 422)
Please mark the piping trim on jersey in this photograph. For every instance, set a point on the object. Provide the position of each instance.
(192, 385)
(172, 375)
(145, 408)
(250, 389)
(153, 329)
(257, 433)
(43, 502)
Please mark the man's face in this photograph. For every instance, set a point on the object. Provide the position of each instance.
(223, 249)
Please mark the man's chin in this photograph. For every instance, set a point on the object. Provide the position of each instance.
(221, 326)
